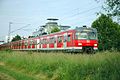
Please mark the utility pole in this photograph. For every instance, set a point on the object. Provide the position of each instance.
(9, 31)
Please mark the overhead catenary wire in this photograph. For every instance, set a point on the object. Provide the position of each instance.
(82, 12)
(88, 20)
(79, 13)
(20, 28)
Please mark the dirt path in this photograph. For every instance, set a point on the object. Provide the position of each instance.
(5, 77)
(2, 63)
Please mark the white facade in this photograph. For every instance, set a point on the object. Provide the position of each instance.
(6, 38)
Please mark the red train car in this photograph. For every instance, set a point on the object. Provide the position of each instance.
(81, 39)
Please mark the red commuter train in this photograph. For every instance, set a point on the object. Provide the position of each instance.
(81, 39)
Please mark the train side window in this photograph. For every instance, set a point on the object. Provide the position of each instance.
(42, 41)
(26, 43)
(59, 39)
(54, 40)
(19, 43)
(68, 38)
(51, 40)
(35, 42)
(39, 42)
(76, 35)
(45, 41)
(30, 42)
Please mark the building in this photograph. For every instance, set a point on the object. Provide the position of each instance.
(10, 39)
(48, 27)
(52, 23)
(62, 28)
(41, 31)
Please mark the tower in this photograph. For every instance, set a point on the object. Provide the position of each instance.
(51, 24)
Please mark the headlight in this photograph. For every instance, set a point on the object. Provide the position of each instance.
(79, 43)
(95, 44)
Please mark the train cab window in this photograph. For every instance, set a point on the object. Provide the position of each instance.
(92, 35)
(86, 35)
(68, 38)
(83, 36)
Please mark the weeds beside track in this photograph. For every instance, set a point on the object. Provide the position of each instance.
(59, 66)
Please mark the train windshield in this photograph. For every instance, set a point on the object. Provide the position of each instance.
(86, 35)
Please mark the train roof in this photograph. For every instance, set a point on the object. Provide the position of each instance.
(76, 29)
(86, 29)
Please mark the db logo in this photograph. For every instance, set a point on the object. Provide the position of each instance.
(88, 41)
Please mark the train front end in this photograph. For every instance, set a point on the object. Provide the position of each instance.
(86, 38)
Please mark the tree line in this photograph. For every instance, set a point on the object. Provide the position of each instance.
(108, 30)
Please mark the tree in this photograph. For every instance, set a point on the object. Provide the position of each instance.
(16, 38)
(55, 29)
(112, 7)
(108, 33)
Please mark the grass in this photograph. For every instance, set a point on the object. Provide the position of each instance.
(59, 66)
(8, 74)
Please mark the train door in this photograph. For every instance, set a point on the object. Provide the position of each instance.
(65, 41)
(41, 42)
(47, 42)
(69, 39)
(55, 44)
(33, 44)
(22, 44)
(38, 43)
(60, 41)
(26, 44)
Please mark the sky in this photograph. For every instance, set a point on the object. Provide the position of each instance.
(33, 13)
